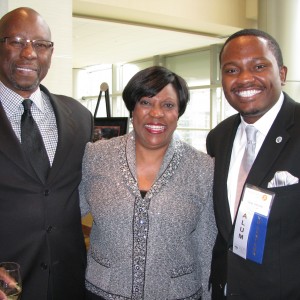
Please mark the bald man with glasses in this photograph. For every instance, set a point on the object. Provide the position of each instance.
(42, 140)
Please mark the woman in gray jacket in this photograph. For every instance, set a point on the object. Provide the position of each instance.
(150, 195)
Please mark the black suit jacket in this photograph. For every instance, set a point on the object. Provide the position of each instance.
(40, 222)
(278, 275)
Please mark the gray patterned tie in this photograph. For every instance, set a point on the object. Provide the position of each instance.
(246, 164)
(32, 142)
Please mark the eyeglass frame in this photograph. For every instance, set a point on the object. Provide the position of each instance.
(4, 40)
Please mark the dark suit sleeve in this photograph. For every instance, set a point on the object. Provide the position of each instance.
(208, 144)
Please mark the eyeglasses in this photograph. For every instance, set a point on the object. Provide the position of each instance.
(18, 43)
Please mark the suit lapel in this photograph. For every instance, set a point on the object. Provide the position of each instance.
(10, 145)
(66, 132)
(273, 144)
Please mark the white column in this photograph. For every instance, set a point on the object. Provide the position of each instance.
(281, 19)
(58, 15)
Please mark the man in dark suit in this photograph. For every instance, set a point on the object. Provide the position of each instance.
(252, 78)
(40, 220)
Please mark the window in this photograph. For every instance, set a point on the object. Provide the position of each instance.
(194, 67)
(200, 68)
(90, 80)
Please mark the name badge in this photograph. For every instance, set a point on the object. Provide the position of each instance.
(251, 223)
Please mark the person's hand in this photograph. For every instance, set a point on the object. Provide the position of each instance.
(7, 280)
(2, 296)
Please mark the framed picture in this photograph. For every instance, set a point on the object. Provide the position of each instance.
(107, 128)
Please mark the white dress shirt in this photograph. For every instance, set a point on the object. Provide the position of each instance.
(42, 113)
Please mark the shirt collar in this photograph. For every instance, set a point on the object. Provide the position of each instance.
(10, 100)
(264, 123)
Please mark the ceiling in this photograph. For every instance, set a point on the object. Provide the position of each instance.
(104, 42)
(117, 31)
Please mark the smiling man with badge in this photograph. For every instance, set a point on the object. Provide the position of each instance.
(257, 250)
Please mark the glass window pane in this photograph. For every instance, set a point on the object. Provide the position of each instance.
(128, 70)
(120, 109)
(228, 109)
(197, 114)
(194, 67)
(196, 138)
(98, 75)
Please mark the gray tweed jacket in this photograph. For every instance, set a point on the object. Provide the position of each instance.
(156, 247)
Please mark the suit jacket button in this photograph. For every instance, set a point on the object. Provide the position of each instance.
(49, 229)
(44, 266)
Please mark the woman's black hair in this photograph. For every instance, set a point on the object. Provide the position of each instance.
(149, 82)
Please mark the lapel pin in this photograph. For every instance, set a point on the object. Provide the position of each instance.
(278, 139)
